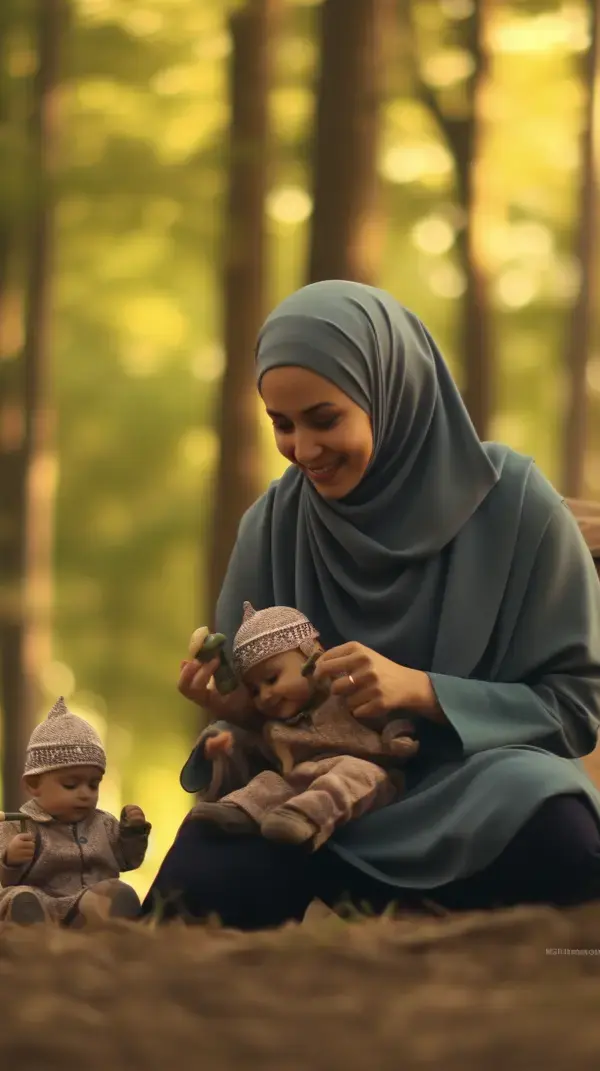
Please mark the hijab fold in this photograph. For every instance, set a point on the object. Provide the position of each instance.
(370, 567)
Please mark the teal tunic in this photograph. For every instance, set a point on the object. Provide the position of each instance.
(519, 721)
(451, 556)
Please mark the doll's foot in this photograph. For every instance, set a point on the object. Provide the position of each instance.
(289, 827)
(26, 910)
(226, 817)
(110, 899)
(124, 903)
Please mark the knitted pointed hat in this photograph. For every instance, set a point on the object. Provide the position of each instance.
(63, 740)
(264, 633)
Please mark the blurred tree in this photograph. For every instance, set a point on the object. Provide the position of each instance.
(458, 111)
(29, 487)
(345, 232)
(10, 400)
(579, 339)
(6, 20)
(238, 479)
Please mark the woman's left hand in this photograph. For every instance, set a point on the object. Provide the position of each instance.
(373, 685)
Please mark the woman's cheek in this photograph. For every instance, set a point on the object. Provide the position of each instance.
(285, 447)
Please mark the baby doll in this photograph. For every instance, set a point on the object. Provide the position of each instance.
(66, 867)
(326, 766)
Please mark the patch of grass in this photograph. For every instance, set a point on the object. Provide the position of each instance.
(454, 992)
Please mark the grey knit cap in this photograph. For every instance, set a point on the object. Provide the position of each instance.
(61, 741)
(264, 633)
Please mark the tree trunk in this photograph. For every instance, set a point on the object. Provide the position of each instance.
(7, 208)
(346, 233)
(581, 326)
(27, 566)
(11, 437)
(463, 135)
(239, 471)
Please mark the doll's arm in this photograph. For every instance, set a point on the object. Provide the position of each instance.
(128, 840)
(10, 875)
(399, 737)
(228, 767)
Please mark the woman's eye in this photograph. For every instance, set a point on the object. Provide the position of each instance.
(325, 425)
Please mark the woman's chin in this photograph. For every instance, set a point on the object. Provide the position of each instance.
(335, 491)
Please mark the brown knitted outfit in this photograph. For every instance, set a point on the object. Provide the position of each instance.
(70, 859)
(327, 767)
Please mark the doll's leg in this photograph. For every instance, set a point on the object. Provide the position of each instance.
(111, 899)
(23, 905)
(328, 794)
(242, 811)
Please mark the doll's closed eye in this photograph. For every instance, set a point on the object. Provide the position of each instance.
(254, 689)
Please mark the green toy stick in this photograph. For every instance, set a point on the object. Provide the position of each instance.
(14, 816)
(309, 667)
(212, 647)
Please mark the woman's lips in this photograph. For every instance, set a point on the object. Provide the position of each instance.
(323, 473)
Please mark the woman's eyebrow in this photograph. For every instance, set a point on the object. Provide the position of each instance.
(306, 412)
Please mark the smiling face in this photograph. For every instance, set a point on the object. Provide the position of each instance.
(277, 686)
(318, 428)
(69, 795)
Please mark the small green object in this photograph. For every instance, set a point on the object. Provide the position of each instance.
(211, 648)
(309, 667)
(225, 679)
(14, 816)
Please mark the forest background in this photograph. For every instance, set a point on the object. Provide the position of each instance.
(169, 170)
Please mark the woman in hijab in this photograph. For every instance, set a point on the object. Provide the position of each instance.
(448, 580)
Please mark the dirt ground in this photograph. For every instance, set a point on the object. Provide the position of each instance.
(457, 993)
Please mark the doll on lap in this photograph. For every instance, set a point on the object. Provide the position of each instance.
(319, 766)
(65, 867)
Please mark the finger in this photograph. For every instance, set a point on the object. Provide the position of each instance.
(334, 667)
(368, 709)
(341, 651)
(194, 677)
(204, 674)
(346, 686)
(186, 675)
(192, 668)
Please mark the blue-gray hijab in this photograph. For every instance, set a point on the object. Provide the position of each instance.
(369, 567)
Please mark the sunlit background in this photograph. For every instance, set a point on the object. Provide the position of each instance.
(136, 346)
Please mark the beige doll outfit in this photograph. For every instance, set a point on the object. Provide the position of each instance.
(70, 859)
(326, 766)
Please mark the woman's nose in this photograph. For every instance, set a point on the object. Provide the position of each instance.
(306, 449)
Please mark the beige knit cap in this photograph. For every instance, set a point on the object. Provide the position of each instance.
(63, 740)
(264, 633)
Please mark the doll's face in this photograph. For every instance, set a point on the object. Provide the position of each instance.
(68, 795)
(277, 686)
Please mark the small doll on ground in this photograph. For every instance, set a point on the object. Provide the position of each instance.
(324, 766)
(66, 867)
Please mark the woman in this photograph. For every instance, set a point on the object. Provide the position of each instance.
(448, 579)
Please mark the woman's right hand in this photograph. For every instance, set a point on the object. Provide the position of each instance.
(196, 683)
